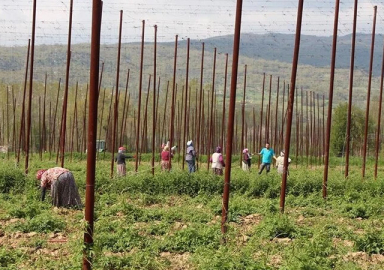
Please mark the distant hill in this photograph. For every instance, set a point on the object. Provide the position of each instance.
(270, 53)
(314, 50)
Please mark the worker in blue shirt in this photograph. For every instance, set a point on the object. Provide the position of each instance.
(267, 154)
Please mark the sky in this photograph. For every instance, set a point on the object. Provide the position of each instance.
(196, 19)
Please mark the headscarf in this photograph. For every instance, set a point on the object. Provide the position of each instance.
(282, 153)
(245, 150)
(121, 149)
(189, 143)
(218, 149)
(40, 173)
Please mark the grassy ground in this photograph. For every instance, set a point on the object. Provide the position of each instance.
(172, 221)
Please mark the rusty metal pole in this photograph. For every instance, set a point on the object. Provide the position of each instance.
(7, 119)
(22, 121)
(369, 92)
(107, 133)
(275, 143)
(115, 114)
(145, 122)
(154, 107)
(269, 109)
(211, 114)
(297, 127)
(352, 67)
(379, 116)
(65, 102)
(173, 100)
(123, 114)
(125, 121)
(157, 113)
(243, 116)
(186, 101)
(254, 130)
(44, 125)
(224, 97)
(29, 113)
(92, 134)
(74, 117)
(100, 81)
(200, 105)
(231, 115)
(261, 116)
(101, 119)
(323, 142)
(301, 124)
(282, 117)
(139, 106)
(165, 111)
(84, 144)
(14, 122)
(290, 104)
(53, 139)
(329, 117)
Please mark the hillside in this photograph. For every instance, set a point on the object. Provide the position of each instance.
(271, 53)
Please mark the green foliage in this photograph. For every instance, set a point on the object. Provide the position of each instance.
(192, 238)
(279, 226)
(371, 242)
(42, 223)
(8, 258)
(11, 179)
(339, 127)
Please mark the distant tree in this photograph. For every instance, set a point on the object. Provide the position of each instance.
(339, 129)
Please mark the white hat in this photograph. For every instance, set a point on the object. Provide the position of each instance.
(189, 143)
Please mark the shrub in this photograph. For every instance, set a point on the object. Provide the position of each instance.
(11, 179)
(372, 242)
(42, 223)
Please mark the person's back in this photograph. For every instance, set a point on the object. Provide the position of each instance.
(120, 158)
(216, 164)
(165, 155)
(190, 157)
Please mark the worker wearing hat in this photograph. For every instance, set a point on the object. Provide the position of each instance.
(190, 157)
(120, 160)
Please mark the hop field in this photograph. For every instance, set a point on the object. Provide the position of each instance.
(172, 221)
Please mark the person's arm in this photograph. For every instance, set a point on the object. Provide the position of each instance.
(221, 159)
(43, 191)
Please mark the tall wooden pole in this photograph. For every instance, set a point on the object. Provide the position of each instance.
(115, 118)
(290, 104)
(212, 95)
(369, 93)
(65, 102)
(352, 67)
(243, 115)
(140, 89)
(29, 113)
(331, 82)
(185, 102)
(172, 127)
(22, 121)
(154, 107)
(231, 116)
(92, 128)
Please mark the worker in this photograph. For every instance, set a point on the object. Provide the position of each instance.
(62, 184)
